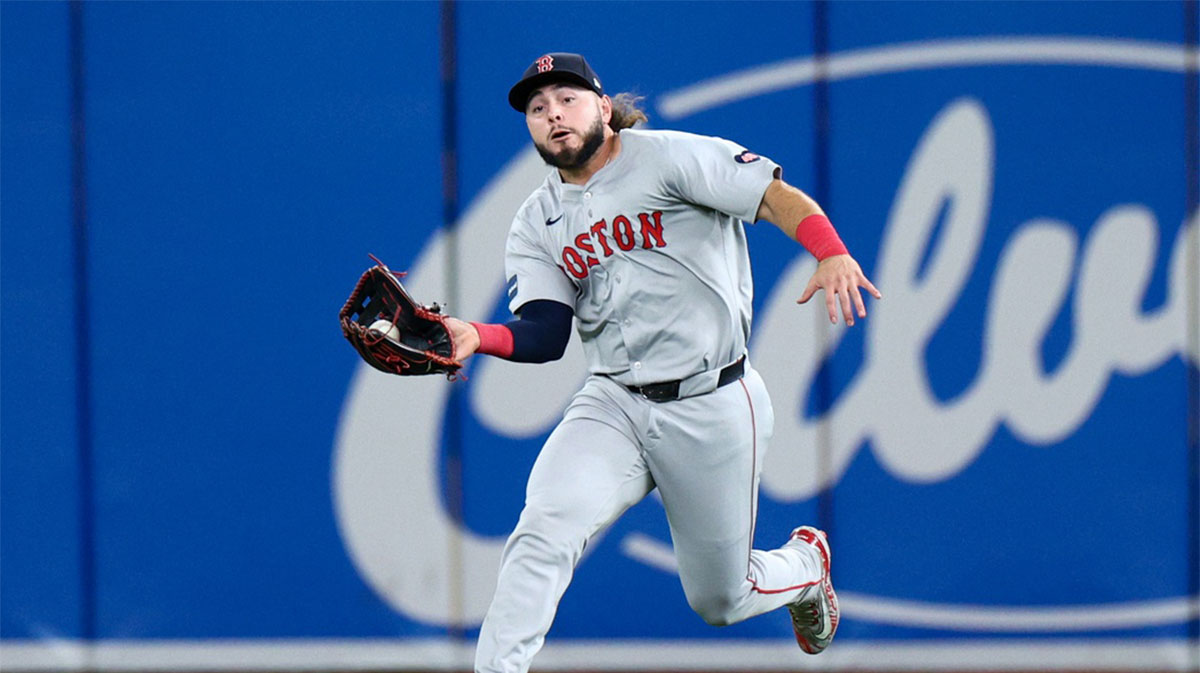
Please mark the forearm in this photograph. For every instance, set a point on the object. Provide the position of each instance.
(798, 216)
(784, 205)
(539, 335)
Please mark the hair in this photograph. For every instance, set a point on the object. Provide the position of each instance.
(625, 111)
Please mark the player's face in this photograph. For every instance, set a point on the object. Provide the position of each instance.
(566, 123)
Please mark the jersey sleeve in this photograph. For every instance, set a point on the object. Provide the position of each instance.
(531, 272)
(719, 174)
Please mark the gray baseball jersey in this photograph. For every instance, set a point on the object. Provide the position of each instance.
(651, 254)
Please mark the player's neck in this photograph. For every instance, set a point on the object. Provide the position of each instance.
(606, 153)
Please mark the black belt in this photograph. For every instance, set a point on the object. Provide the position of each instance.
(669, 390)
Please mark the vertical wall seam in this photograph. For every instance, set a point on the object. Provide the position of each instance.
(822, 192)
(83, 364)
(1191, 117)
(452, 439)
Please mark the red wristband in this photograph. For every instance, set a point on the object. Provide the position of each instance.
(494, 339)
(817, 235)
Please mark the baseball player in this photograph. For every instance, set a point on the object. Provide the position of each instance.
(638, 235)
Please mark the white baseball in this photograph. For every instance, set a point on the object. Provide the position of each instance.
(386, 328)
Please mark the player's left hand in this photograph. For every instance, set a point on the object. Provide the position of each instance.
(841, 277)
(466, 338)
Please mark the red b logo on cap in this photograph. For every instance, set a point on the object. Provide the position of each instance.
(545, 63)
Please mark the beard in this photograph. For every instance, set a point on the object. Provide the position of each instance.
(569, 159)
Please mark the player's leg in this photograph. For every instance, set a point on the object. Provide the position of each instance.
(586, 476)
(707, 465)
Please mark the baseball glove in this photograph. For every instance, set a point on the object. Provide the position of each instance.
(394, 333)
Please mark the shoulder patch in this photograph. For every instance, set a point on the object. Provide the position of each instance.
(746, 157)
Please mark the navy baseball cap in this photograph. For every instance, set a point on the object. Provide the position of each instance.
(556, 67)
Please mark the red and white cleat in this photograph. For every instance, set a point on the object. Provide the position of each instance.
(815, 612)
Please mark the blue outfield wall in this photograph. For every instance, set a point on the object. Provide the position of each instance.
(1004, 452)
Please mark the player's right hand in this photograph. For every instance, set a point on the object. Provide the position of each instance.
(841, 277)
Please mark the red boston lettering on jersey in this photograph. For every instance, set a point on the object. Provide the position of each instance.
(623, 233)
(652, 230)
(598, 232)
(574, 263)
(545, 63)
(582, 242)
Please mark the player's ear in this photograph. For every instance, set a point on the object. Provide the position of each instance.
(606, 108)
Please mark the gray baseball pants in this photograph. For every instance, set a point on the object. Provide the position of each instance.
(703, 453)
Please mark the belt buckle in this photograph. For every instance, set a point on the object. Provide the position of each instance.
(662, 392)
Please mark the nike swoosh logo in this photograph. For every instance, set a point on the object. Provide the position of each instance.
(550, 221)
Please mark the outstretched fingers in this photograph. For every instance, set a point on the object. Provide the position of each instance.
(831, 304)
(860, 307)
(847, 309)
(808, 292)
(863, 281)
(841, 277)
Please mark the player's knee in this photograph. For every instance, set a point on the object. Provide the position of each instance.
(715, 609)
(546, 536)
(539, 548)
